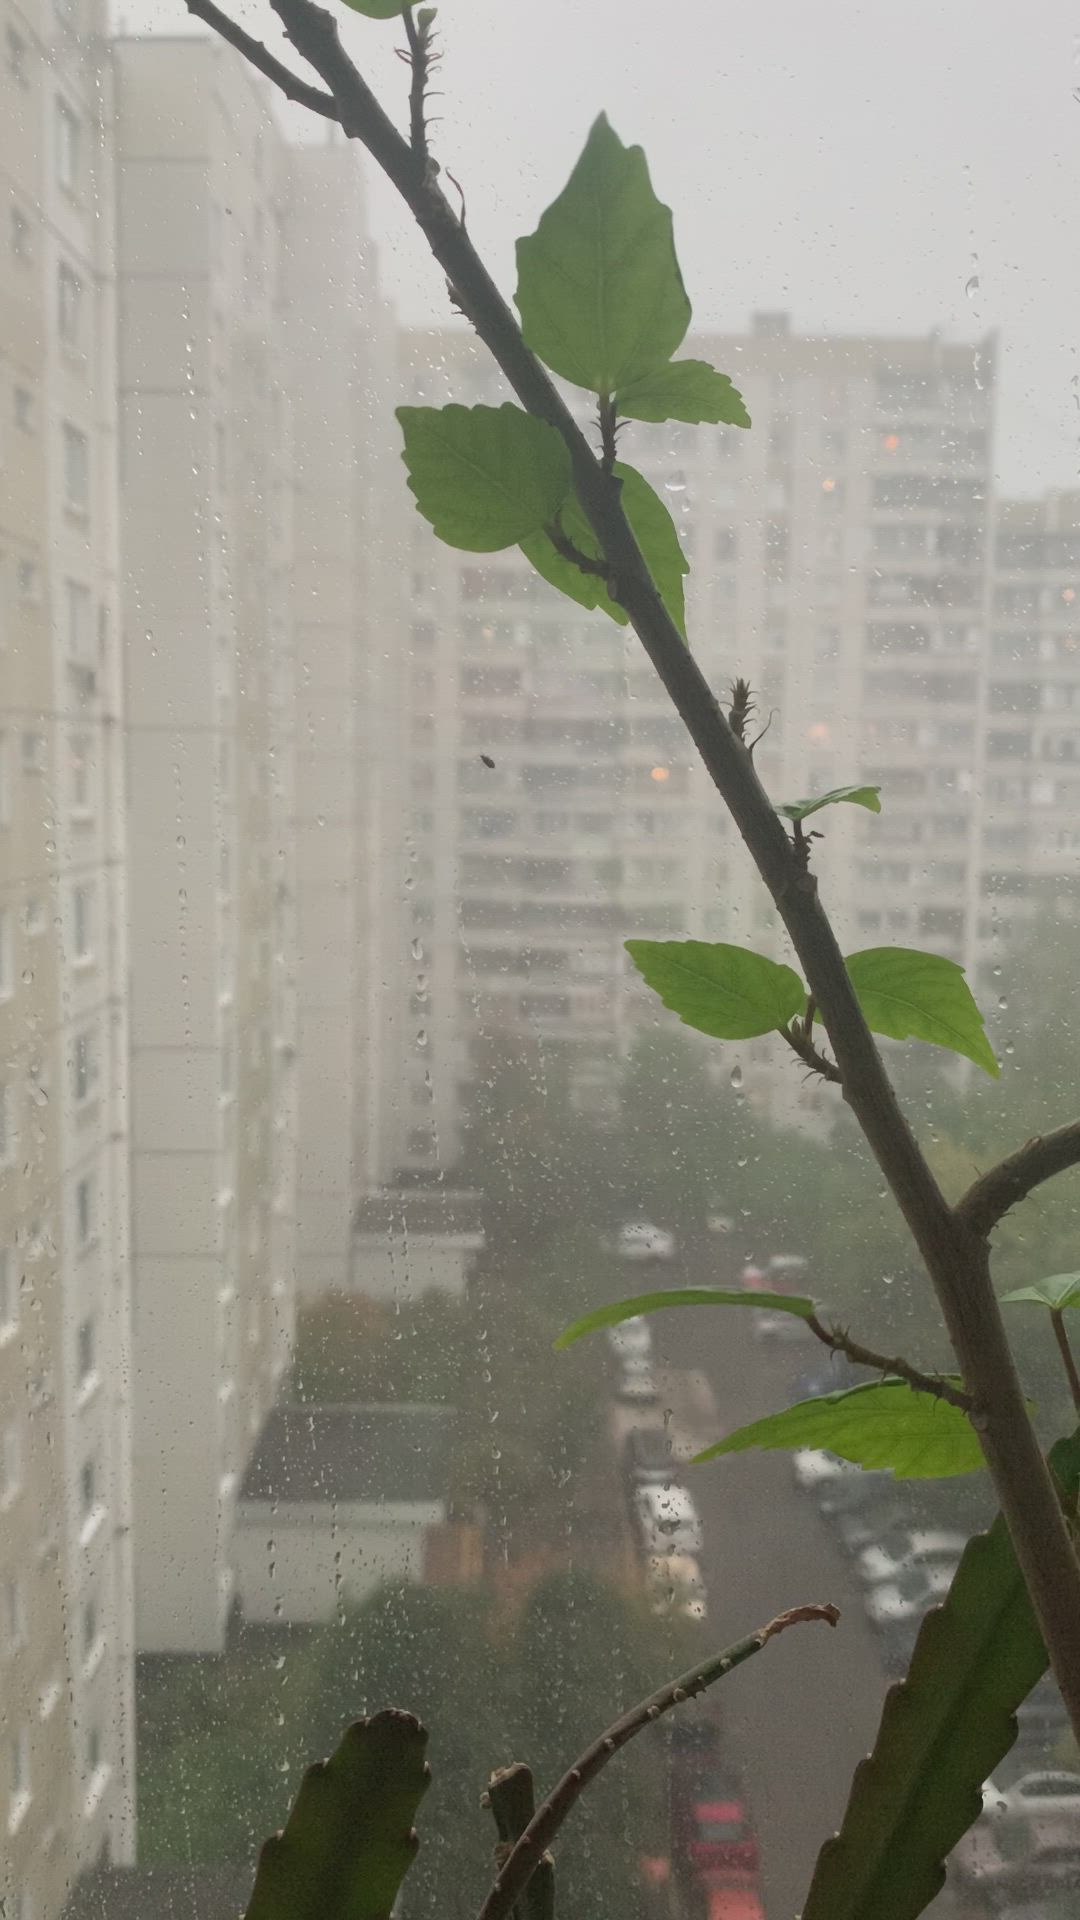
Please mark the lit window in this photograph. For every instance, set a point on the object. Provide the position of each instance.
(67, 147)
(76, 450)
(69, 294)
(11, 1463)
(9, 1296)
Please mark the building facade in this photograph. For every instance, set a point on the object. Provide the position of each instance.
(66, 1670)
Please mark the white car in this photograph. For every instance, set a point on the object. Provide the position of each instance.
(886, 1559)
(675, 1585)
(639, 1240)
(1048, 1803)
(815, 1469)
(909, 1596)
(631, 1338)
(669, 1519)
(784, 1274)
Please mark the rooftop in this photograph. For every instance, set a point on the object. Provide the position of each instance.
(351, 1454)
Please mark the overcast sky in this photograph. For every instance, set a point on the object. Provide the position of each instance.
(894, 166)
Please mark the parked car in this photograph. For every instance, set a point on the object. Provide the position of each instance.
(721, 1838)
(914, 1591)
(860, 1527)
(861, 1491)
(784, 1273)
(631, 1337)
(733, 1896)
(1048, 1803)
(887, 1558)
(676, 1585)
(668, 1519)
(651, 1456)
(814, 1468)
(640, 1240)
(637, 1385)
(835, 1375)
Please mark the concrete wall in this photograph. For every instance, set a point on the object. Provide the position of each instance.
(302, 1564)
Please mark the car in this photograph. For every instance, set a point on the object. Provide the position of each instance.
(814, 1468)
(886, 1558)
(640, 1240)
(784, 1272)
(1048, 1803)
(668, 1519)
(836, 1375)
(637, 1385)
(860, 1527)
(631, 1337)
(651, 1456)
(733, 1896)
(721, 1839)
(914, 1591)
(860, 1492)
(675, 1585)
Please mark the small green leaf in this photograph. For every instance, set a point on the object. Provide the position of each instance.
(349, 1841)
(909, 995)
(599, 290)
(378, 9)
(868, 797)
(653, 529)
(718, 989)
(1058, 1291)
(942, 1733)
(684, 390)
(485, 477)
(882, 1424)
(611, 1316)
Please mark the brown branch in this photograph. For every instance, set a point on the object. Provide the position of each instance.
(992, 1195)
(608, 432)
(545, 1824)
(955, 1257)
(419, 59)
(260, 57)
(798, 1038)
(1057, 1321)
(932, 1383)
(563, 545)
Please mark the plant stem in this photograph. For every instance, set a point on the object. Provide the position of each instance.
(992, 1195)
(512, 1800)
(920, 1382)
(1068, 1361)
(542, 1828)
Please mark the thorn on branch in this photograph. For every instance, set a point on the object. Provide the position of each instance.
(563, 545)
(419, 55)
(742, 706)
(799, 1038)
(838, 1341)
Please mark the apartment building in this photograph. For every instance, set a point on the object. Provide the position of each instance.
(1030, 773)
(206, 502)
(66, 1722)
(839, 561)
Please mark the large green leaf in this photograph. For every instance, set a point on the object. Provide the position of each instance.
(909, 995)
(610, 1316)
(378, 9)
(868, 797)
(684, 390)
(349, 1841)
(718, 989)
(942, 1733)
(599, 290)
(653, 529)
(1057, 1291)
(884, 1423)
(485, 477)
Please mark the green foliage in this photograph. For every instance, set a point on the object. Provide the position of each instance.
(599, 291)
(684, 390)
(379, 9)
(943, 1731)
(349, 1841)
(868, 797)
(652, 527)
(909, 995)
(485, 477)
(1057, 1291)
(719, 989)
(619, 1310)
(882, 1424)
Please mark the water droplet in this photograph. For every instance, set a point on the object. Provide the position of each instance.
(737, 1077)
(971, 286)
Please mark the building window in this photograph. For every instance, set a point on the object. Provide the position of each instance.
(7, 968)
(82, 784)
(83, 1067)
(93, 1750)
(68, 137)
(89, 1628)
(84, 1211)
(7, 1126)
(11, 1463)
(76, 449)
(69, 294)
(84, 1351)
(20, 1778)
(88, 1487)
(14, 1615)
(9, 1296)
(21, 237)
(34, 916)
(34, 759)
(28, 581)
(82, 922)
(24, 410)
(16, 57)
(78, 622)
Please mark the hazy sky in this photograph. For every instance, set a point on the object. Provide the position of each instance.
(879, 167)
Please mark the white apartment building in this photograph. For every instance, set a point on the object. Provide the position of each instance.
(838, 554)
(66, 1663)
(206, 499)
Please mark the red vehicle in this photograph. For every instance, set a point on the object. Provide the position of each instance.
(734, 1897)
(721, 1840)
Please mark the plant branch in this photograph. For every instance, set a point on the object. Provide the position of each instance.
(563, 545)
(545, 1824)
(955, 1258)
(991, 1196)
(608, 434)
(260, 57)
(1068, 1361)
(512, 1800)
(419, 58)
(798, 1039)
(841, 1342)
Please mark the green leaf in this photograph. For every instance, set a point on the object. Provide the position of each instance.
(485, 477)
(920, 996)
(653, 529)
(882, 1424)
(942, 1733)
(719, 989)
(1058, 1291)
(868, 797)
(349, 1841)
(610, 1316)
(378, 9)
(684, 390)
(599, 290)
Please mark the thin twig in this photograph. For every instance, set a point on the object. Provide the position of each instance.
(608, 432)
(545, 1824)
(260, 57)
(1057, 1321)
(992, 1195)
(418, 56)
(585, 562)
(798, 1039)
(841, 1342)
